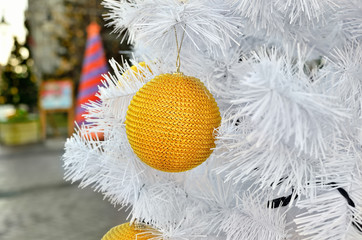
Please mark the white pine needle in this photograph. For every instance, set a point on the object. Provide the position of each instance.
(283, 107)
(346, 76)
(154, 22)
(117, 92)
(328, 217)
(350, 14)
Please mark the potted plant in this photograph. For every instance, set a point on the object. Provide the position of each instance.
(19, 128)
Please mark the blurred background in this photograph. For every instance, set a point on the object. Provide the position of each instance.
(52, 55)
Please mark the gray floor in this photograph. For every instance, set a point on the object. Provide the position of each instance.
(36, 204)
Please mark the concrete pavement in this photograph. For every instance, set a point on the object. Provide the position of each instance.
(37, 204)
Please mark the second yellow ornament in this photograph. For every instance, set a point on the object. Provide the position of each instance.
(129, 231)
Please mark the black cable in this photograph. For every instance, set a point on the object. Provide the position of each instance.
(350, 202)
(280, 202)
(284, 201)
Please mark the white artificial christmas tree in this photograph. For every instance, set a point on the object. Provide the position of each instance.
(287, 158)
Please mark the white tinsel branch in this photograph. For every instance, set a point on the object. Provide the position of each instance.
(328, 217)
(117, 92)
(154, 22)
(284, 108)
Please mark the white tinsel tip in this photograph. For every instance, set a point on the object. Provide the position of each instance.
(82, 146)
(117, 92)
(155, 22)
(262, 14)
(280, 127)
(109, 165)
(345, 76)
(327, 217)
(300, 11)
(252, 219)
(185, 229)
(160, 204)
(350, 14)
(283, 106)
(233, 211)
(292, 11)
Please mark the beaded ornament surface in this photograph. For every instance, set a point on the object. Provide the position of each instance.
(170, 122)
(129, 231)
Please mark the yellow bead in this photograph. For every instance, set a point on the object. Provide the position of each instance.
(127, 231)
(170, 122)
(139, 73)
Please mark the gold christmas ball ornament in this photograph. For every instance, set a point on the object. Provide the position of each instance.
(170, 122)
(129, 231)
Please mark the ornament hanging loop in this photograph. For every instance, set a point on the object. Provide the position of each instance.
(179, 45)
